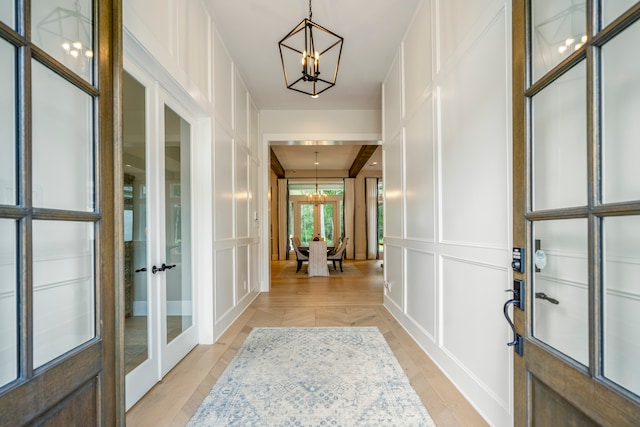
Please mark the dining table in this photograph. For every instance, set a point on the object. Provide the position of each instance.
(317, 264)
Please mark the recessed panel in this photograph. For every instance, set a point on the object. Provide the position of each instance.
(224, 275)
(421, 290)
(241, 119)
(223, 82)
(420, 175)
(392, 96)
(475, 144)
(242, 269)
(393, 188)
(394, 278)
(194, 48)
(479, 343)
(242, 192)
(223, 176)
(417, 57)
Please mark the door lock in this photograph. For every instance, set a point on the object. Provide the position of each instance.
(517, 260)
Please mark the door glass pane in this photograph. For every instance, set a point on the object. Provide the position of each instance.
(8, 303)
(64, 29)
(306, 224)
(178, 223)
(7, 12)
(560, 142)
(7, 123)
(560, 286)
(63, 287)
(611, 9)
(622, 301)
(326, 213)
(136, 325)
(559, 28)
(621, 106)
(62, 143)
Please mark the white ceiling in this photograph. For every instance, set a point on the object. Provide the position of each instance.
(372, 31)
(331, 157)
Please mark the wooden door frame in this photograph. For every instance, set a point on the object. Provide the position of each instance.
(97, 362)
(585, 389)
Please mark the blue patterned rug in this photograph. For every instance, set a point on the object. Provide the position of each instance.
(313, 377)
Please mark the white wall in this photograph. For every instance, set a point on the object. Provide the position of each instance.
(447, 176)
(177, 44)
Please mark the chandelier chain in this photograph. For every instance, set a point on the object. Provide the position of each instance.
(310, 13)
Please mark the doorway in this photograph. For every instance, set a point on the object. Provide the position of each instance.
(160, 323)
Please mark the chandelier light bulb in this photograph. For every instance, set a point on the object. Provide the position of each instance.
(77, 45)
(584, 39)
(66, 46)
(562, 49)
(89, 54)
(569, 42)
(74, 53)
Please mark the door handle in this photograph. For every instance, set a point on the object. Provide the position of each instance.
(163, 267)
(140, 270)
(516, 301)
(543, 296)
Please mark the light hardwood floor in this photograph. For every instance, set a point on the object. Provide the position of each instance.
(350, 299)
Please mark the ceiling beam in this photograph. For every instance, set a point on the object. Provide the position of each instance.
(366, 151)
(276, 166)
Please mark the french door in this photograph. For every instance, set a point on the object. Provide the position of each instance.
(577, 212)
(58, 66)
(159, 291)
(311, 220)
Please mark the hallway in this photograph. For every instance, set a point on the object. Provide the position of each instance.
(297, 301)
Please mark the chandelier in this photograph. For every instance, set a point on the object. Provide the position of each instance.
(317, 197)
(305, 48)
(72, 28)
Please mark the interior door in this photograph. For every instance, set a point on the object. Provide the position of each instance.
(159, 303)
(576, 212)
(57, 282)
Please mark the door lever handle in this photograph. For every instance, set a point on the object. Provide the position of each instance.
(140, 270)
(167, 267)
(543, 296)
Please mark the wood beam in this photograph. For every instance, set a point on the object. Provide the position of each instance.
(276, 166)
(366, 151)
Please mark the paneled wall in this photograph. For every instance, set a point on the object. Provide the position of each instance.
(447, 175)
(177, 44)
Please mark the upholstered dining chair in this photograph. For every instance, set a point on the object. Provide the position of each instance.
(300, 257)
(338, 255)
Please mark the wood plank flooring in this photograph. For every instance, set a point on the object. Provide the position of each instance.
(350, 299)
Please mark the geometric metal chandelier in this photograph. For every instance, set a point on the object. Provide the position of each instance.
(304, 52)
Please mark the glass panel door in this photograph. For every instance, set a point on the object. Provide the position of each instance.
(136, 323)
(159, 306)
(179, 301)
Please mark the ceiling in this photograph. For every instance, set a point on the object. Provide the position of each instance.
(372, 31)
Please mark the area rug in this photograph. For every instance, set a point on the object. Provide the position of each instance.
(313, 377)
(349, 270)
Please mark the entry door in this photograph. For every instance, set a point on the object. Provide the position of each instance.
(159, 305)
(577, 211)
(57, 283)
(312, 220)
